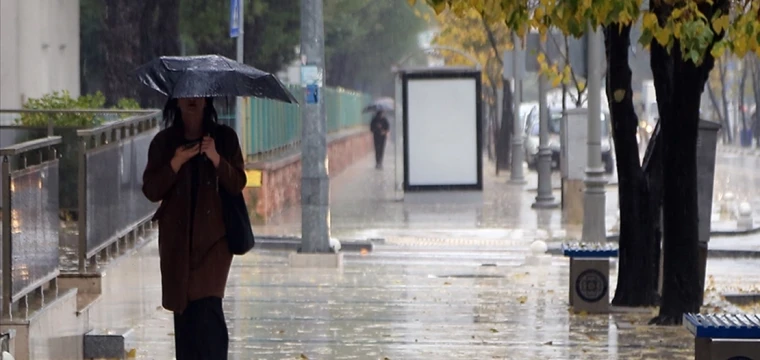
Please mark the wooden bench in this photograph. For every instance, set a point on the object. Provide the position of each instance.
(724, 336)
(589, 281)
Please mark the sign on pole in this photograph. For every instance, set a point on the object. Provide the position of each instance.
(234, 18)
(512, 70)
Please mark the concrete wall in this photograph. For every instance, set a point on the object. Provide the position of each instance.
(39, 49)
(280, 184)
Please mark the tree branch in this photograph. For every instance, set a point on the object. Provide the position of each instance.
(491, 38)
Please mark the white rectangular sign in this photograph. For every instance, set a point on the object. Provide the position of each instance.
(442, 123)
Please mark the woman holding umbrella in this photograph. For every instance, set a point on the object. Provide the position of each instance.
(183, 172)
(196, 170)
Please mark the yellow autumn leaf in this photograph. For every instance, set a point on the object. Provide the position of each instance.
(662, 35)
(412, 2)
(718, 50)
(440, 7)
(720, 24)
(740, 45)
(649, 21)
(619, 95)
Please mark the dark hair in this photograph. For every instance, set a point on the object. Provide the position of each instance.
(173, 115)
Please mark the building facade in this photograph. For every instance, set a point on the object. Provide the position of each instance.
(39, 49)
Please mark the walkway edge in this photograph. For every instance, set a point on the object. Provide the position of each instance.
(555, 249)
(292, 243)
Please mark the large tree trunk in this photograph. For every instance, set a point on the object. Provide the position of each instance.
(681, 290)
(679, 84)
(639, 259)
(121, 42)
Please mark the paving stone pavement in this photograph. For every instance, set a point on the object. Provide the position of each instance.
(433, 303)
(453, 280)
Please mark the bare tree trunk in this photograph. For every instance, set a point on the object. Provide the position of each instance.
(723, 71)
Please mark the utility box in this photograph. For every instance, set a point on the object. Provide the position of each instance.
(573, 158)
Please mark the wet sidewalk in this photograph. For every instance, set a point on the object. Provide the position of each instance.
(452, 280)
(363, 205)
(405, 302)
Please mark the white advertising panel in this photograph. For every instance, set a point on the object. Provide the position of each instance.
(442, 131)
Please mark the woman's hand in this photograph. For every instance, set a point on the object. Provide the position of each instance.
(182, 155)
(208, 147)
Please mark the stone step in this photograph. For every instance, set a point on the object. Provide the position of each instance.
(107, 344)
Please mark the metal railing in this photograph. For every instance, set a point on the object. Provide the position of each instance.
(30, 253)
(272, 126)
(19, 125)
(112, 158)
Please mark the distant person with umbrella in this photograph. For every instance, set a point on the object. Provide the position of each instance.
(196, 171)
(379, 126)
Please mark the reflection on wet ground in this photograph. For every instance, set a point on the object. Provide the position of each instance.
(398, 303)
(425, 293)
(362, 198)
(435, 303)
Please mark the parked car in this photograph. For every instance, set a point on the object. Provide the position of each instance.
(555, 120)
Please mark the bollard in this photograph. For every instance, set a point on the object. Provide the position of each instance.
(744, 216)
(727, 204)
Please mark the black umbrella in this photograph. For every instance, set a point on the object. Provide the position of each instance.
(210, 76)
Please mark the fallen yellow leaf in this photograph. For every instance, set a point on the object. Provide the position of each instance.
(132, 353)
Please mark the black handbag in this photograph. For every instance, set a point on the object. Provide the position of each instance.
(237, 223)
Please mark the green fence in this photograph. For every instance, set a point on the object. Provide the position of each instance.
(274, 126)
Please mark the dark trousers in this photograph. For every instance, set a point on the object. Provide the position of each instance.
(200, 332)
(379, 148)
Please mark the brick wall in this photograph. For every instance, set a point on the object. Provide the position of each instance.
(281, 178)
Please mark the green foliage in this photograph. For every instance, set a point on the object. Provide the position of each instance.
(63, 101)
(365, 38)
(271, 30)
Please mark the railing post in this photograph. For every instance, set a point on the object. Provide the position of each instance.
(82, 205)
(7, 240)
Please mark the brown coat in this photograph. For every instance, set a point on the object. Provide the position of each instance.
(191, 274)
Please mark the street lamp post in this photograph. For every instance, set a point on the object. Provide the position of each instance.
(545, 197)
(518, 153)
(315, 183)
(594, 194)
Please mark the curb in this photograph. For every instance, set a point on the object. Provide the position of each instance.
(292, 243)
(715, 233)
(555, 249)
(742, 299)
(739, 150)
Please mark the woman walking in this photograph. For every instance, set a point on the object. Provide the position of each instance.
(188, 162)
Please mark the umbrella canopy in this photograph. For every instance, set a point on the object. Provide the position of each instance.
(382, 104)
(210, 76)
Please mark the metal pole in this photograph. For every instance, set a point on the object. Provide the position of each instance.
(82, 204)
(518, 152)
(7, 264)
(398, 135)
(240, 59)
(545, 197)
(315, 183)
(594, 197)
